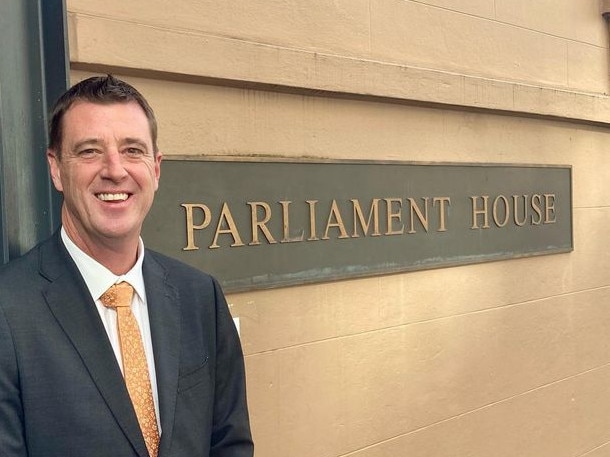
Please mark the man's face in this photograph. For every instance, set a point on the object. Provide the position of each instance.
(107, 172)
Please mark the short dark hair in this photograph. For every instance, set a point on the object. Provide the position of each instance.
(102, 90)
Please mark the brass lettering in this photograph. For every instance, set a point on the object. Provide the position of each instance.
(190, 225)
(480, 212)
(286, 225)
(518, 222)
(497, 220)
(441, 211)
(338, 222)
(394, 215)
(312, 220)
(549, 200)
(260, 225)
(414, 209)
(365, 225)
(226, 216)
(536, 202)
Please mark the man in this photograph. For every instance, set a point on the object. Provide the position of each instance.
(108, 349)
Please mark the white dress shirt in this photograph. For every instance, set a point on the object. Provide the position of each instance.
(98, 279)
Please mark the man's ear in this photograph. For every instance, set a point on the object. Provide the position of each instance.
(157, 171)
(53, 161)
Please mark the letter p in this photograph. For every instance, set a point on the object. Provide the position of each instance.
(190, 225)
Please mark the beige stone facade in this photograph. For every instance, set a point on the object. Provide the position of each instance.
(507, 358)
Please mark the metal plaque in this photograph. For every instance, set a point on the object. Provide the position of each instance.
(259, 224)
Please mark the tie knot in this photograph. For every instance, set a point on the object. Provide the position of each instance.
(117, 295)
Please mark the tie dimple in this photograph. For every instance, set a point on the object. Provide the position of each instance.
(135, 367)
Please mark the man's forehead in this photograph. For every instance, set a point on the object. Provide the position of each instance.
(86, 106)
(84, 118)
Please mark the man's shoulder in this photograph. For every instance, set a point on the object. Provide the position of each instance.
(27, 263)
(22, 279)
(176, 268)
(32, 260)
(185, 279)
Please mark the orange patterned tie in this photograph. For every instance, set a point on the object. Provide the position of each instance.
(135, 368)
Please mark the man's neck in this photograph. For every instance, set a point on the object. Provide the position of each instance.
(119, 256)
(117, 259)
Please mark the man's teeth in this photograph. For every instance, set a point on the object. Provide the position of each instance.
(112, 197)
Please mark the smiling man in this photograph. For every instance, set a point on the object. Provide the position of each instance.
(106, 348)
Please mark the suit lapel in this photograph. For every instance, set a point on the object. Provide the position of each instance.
(164, 315)
(70, 302)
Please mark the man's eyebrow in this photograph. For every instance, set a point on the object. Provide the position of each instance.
(97, 142)
(137, 141)
(86, 142)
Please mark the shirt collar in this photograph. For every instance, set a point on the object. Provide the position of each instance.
(97, 277)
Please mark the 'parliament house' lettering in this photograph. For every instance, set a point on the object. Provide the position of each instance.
(255, 224)
(354, 219)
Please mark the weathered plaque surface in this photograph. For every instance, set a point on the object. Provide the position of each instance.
(258, 224)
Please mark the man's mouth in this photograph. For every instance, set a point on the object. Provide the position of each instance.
(119, 197)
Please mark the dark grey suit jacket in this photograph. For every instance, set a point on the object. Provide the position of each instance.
(61, 390)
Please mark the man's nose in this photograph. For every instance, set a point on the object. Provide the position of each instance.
(113, 165)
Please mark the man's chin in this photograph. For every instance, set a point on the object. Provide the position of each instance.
(118, 233)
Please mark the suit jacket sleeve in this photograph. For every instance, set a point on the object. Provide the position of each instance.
(231, 433)
(12, 441)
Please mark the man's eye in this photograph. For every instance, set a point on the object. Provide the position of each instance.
(87, 152)
(134, 151)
